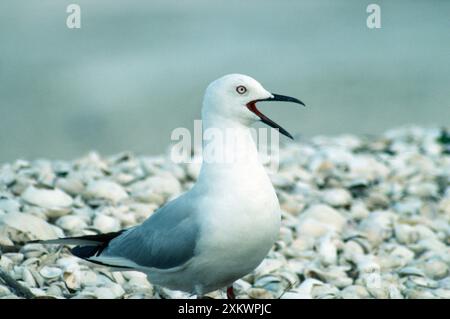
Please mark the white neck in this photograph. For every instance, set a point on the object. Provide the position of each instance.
(228, 142)
(228, 150)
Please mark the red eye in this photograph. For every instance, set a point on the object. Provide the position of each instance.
(241, 89)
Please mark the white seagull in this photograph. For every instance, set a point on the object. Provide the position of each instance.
(219, 230)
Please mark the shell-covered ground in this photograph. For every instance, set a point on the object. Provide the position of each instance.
(362, 217)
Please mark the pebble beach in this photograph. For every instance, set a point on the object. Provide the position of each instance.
(362, 217)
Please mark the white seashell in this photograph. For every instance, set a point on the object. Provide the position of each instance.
(325, 291)
(33, 250)
(444, 205)
(88, 278)
(21, 183)
(16, 258)
(425, 232)
(408, 206)
(300, 246)
(148, 196)
(87, 293)
(6, 263)
(445, 283)
(414, 293)
(33, 227)
(280, 182)
(4, 291)
(352, 251)
(320, 219)
(303, 291)
(37, 292)
(271, 283)
(106, 190)
(173, 294)
(411, 271)
(164, 183)
(291, 204)
(9, 205)
(259, 293)
(394, 292)
(28, 278)
(354, 292)
(54, 200)
(367, 264)
(435, 268)
(415, 281)
(139, 285)
(72, 279)
(118, 277)
(40, 281)
(31, 262)
(241, 285)
(138, 295)
(424, 190)
(377, 200)
(84, 213)
(176, 170)
(406, 234)
(106, 224)
(359, 211)
(334, 275)
(399, 256)
(68, 263)
(375, 287)
(7, 175)
(286, 235)
(268, 266)
(442, 293)
(92, 161)
(337, 197)
(378, 226)
(124, 178)
(71, 185)
(430, 244)
(290, 277)
(54, 291)
(367, 168)
(327, 250)
(116, 289)
(102, 292)
(71, 223)
(50, 272)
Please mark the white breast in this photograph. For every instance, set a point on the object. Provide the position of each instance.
(242, 223)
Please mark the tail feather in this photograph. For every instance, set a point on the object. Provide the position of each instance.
(66, 241)
(87, 246)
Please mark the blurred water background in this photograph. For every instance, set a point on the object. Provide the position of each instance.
(137, 69)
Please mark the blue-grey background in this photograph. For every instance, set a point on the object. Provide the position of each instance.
(138, 69)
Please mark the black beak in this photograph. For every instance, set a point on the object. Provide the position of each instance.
(283, 98)
(276, 97)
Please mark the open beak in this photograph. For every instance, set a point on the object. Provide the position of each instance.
(275, 97)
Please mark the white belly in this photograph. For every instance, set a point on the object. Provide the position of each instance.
(237, 241)
(239, 224)
(240, 238)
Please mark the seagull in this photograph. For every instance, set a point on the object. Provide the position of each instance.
(224, 226)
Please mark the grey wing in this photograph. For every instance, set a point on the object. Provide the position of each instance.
(165, 240)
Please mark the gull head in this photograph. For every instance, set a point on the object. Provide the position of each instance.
(233, 97)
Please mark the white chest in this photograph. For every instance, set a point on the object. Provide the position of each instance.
(243, 222)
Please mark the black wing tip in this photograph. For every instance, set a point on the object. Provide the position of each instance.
(84, 251)
(37, 241)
